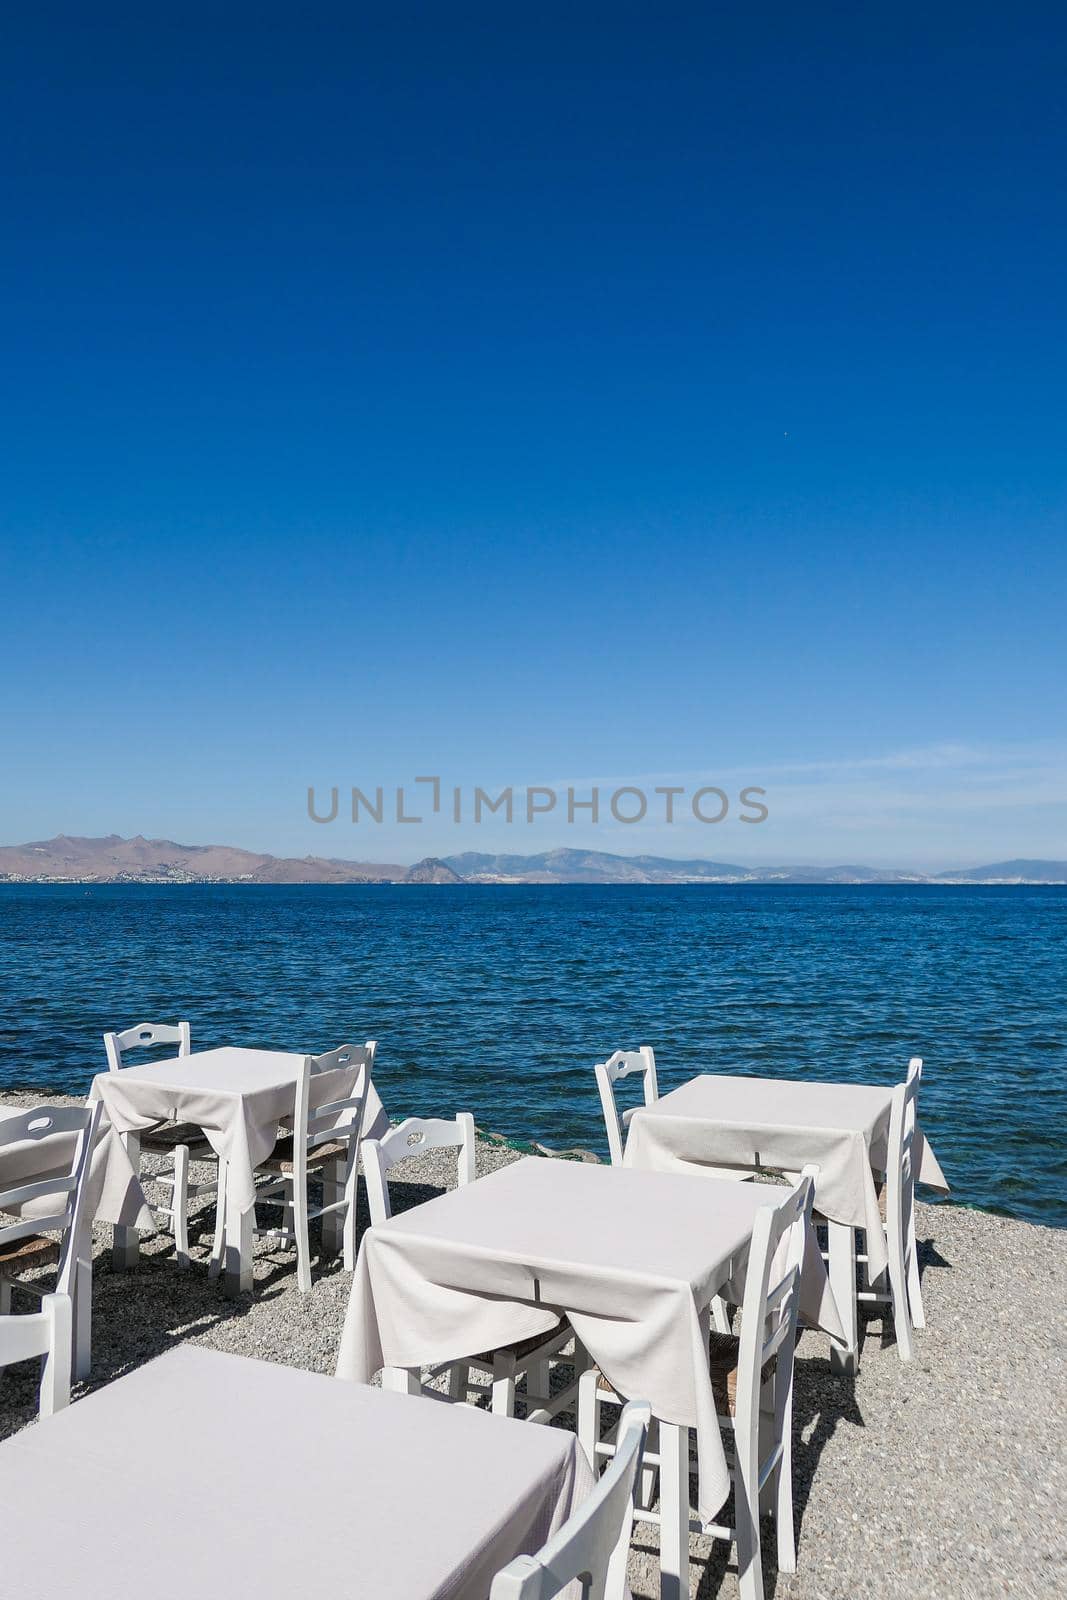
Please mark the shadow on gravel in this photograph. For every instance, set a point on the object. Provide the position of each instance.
(930, 1256)
(822, 1402)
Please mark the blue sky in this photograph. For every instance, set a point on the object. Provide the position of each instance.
(587, 395)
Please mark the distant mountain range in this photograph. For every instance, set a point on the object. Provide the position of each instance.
(117, 860)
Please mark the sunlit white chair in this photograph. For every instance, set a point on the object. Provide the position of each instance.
(896, 1202)
(752, 1380)
(324, 1143)
(642, 1062)
(528, 1358)
(624, 1064)
(25, 1244)
(175, 1144)
(911, 1249)
(592, 1546)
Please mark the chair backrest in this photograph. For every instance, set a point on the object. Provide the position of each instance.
(334, 1119)
(411, 1138)
(621, 1065)
(768, 1327)
(900, 1154)
(64, 1194)
(592, 1545)
(145, 1036)
(915, 1069)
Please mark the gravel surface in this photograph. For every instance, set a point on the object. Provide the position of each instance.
(943, 1478)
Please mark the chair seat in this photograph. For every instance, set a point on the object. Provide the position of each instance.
(36, 1251)
(522, 1349)
(165, 1139)
(723, 1356)
(282, 1159)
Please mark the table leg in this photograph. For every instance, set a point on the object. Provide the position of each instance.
(842, 1271)
(126, 1245)
(238, 1260)
(402, 1380)
(674, 1512)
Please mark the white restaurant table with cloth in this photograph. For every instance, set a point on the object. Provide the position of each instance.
(842, 1128)
(238, 1097)
(377, 1494)
(633, 1259)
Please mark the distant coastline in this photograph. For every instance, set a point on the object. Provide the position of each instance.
(115, 860)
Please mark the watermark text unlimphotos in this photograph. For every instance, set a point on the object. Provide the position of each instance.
(629, 803)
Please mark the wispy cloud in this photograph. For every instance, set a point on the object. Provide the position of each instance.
(948, 801)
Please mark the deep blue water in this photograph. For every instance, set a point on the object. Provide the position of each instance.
(499, 1000)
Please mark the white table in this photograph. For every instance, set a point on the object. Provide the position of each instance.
(632, 1258)
(785, 1123)
(113, 1195)
(274, 1482)
(238, 1097)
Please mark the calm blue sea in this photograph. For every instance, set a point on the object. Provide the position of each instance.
(499, 1000)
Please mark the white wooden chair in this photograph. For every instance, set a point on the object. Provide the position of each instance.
(174, 1143)
(325, 1141)
(527, 1358)
(752, 1380)
(593, 1544)
(915, 1296)
(24, 1245)
(897, 1204)
(623, 1064)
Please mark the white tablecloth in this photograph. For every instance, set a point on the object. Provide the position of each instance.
(114, 1194)
(783, 1123)
(632, 1258)
(270, 1482)
(237, 1096)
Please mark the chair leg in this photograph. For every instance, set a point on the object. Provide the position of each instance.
(538, 1381)
(348, 1235)
(303, 1243)
(915, 1293)
(898, 1285)
(649, 1481)
(5, 1297)
(332, 1192)
(55, 1370)
(180, 1204)
(674, 1512)
(83, 1315)
(458, 1381)
(746, 1517)
(785, 1530)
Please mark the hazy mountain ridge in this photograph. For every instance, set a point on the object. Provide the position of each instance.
(113, 859)
(140, 860)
